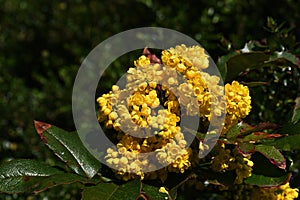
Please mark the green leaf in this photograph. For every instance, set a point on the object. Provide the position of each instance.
(22, 175)
(154, 194)
(241, 62)
(273, 154)
(254, 84)
(69, 148)
(266, 181)
(261, 163)
(233, 132)
(258, 136)
(130, 190)
(222, 64)
(296, 112)
(246, 148)
(290, 128)
(18, 176)
(288, 143)
(60, 179)
(283, 58)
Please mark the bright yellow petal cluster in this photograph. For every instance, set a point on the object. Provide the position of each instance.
(287, 193)
(251, 192)
(283, 192)
(182, 57)
(142, 61)
(238, 103)
(148, 106)
(138, 110)
(189, 62)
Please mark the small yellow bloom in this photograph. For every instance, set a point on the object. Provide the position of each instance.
(163, 190)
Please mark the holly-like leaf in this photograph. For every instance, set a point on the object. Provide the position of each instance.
(290, 128)
(233, 132)
(288, 143)
(18, 176)
(130, 190)
(283, 58)
(246, 148)
(222, 64)
(241, 62)
(258, 136)
(22, 175)
(296, 112)
(248, 60)
(266, 181)
(69, 148)
(66, 178)
(273, 154)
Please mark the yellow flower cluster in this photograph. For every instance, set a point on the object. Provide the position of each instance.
(146, 113)
(183, 57)
(140, 109)
(250, 192)
(225, 160)
(238, 103)
(189, 62)
(287, 193)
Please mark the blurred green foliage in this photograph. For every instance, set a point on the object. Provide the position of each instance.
(42, 44)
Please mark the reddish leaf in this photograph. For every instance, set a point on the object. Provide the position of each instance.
(153, 58)
(40, 127)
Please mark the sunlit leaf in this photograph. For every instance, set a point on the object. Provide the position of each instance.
(265, 181)
(233, 132)
(69, 148)
(18, 176)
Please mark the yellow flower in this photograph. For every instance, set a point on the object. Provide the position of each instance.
(287, 193)
(238, 103)
(142, 61)
(163, 190)
(225, 160)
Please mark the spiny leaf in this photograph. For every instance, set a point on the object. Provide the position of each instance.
(69, 148)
